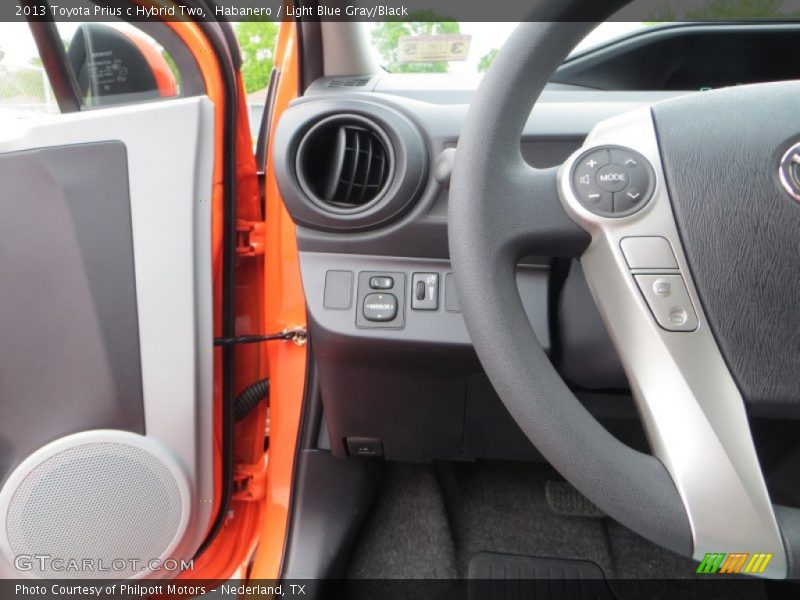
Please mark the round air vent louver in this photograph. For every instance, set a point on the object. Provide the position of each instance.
(345, 163)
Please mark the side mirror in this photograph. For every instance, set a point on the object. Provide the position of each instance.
(113, 66)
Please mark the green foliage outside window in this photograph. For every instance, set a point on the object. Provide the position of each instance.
(486, 60)
(257, 44)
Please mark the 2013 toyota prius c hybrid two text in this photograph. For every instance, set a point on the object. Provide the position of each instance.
(443, 300)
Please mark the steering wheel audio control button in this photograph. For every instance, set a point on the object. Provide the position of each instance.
(627, 201)
(648, 252)
(613, 181)
(584, 182)
(662, 288)
(668, 299)
(600, 200)
(612, 178)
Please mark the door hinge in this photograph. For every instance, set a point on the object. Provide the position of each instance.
(250, 481)
(250, 237)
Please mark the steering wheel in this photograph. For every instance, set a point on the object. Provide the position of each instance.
(686, 219)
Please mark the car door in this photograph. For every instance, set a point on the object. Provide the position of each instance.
(108, 240)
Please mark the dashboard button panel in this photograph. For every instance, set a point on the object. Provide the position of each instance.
(381, 307)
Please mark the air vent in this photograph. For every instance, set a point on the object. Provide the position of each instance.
(347, 164)
(344, 163)
(348, 82)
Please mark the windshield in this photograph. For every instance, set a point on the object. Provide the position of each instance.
(459, 48)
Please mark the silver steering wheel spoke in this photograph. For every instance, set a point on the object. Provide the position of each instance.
(691, 407)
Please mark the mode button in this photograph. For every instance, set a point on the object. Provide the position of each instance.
(612, 178)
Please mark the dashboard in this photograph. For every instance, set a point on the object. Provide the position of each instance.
(688, 57)
(362, 165)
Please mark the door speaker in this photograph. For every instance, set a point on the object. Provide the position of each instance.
(98, 504)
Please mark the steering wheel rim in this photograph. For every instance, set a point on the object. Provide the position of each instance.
(500, 210)
(484, 247)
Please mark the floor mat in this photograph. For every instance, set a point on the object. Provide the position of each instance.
(494, 576)
(406, 535)
(502, 508)
(565, 500)
(428, 522)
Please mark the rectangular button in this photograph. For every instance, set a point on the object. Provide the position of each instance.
(338, 293)
(425, 291)
(450, 299)
(367, 447)
(648, 253)
(669, 301)
(381, 283)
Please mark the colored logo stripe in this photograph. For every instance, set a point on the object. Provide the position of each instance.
(758, 563)
(711, 562)
(735, 562)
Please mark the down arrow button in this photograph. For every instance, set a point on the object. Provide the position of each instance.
(640, 181)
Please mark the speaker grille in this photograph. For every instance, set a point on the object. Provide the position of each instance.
(104, 502)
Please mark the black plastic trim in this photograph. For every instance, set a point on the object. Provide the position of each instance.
(54, 60)
(309, 41)
(329, 498)
(262, 143)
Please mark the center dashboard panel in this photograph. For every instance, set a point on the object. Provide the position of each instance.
(395, 363)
